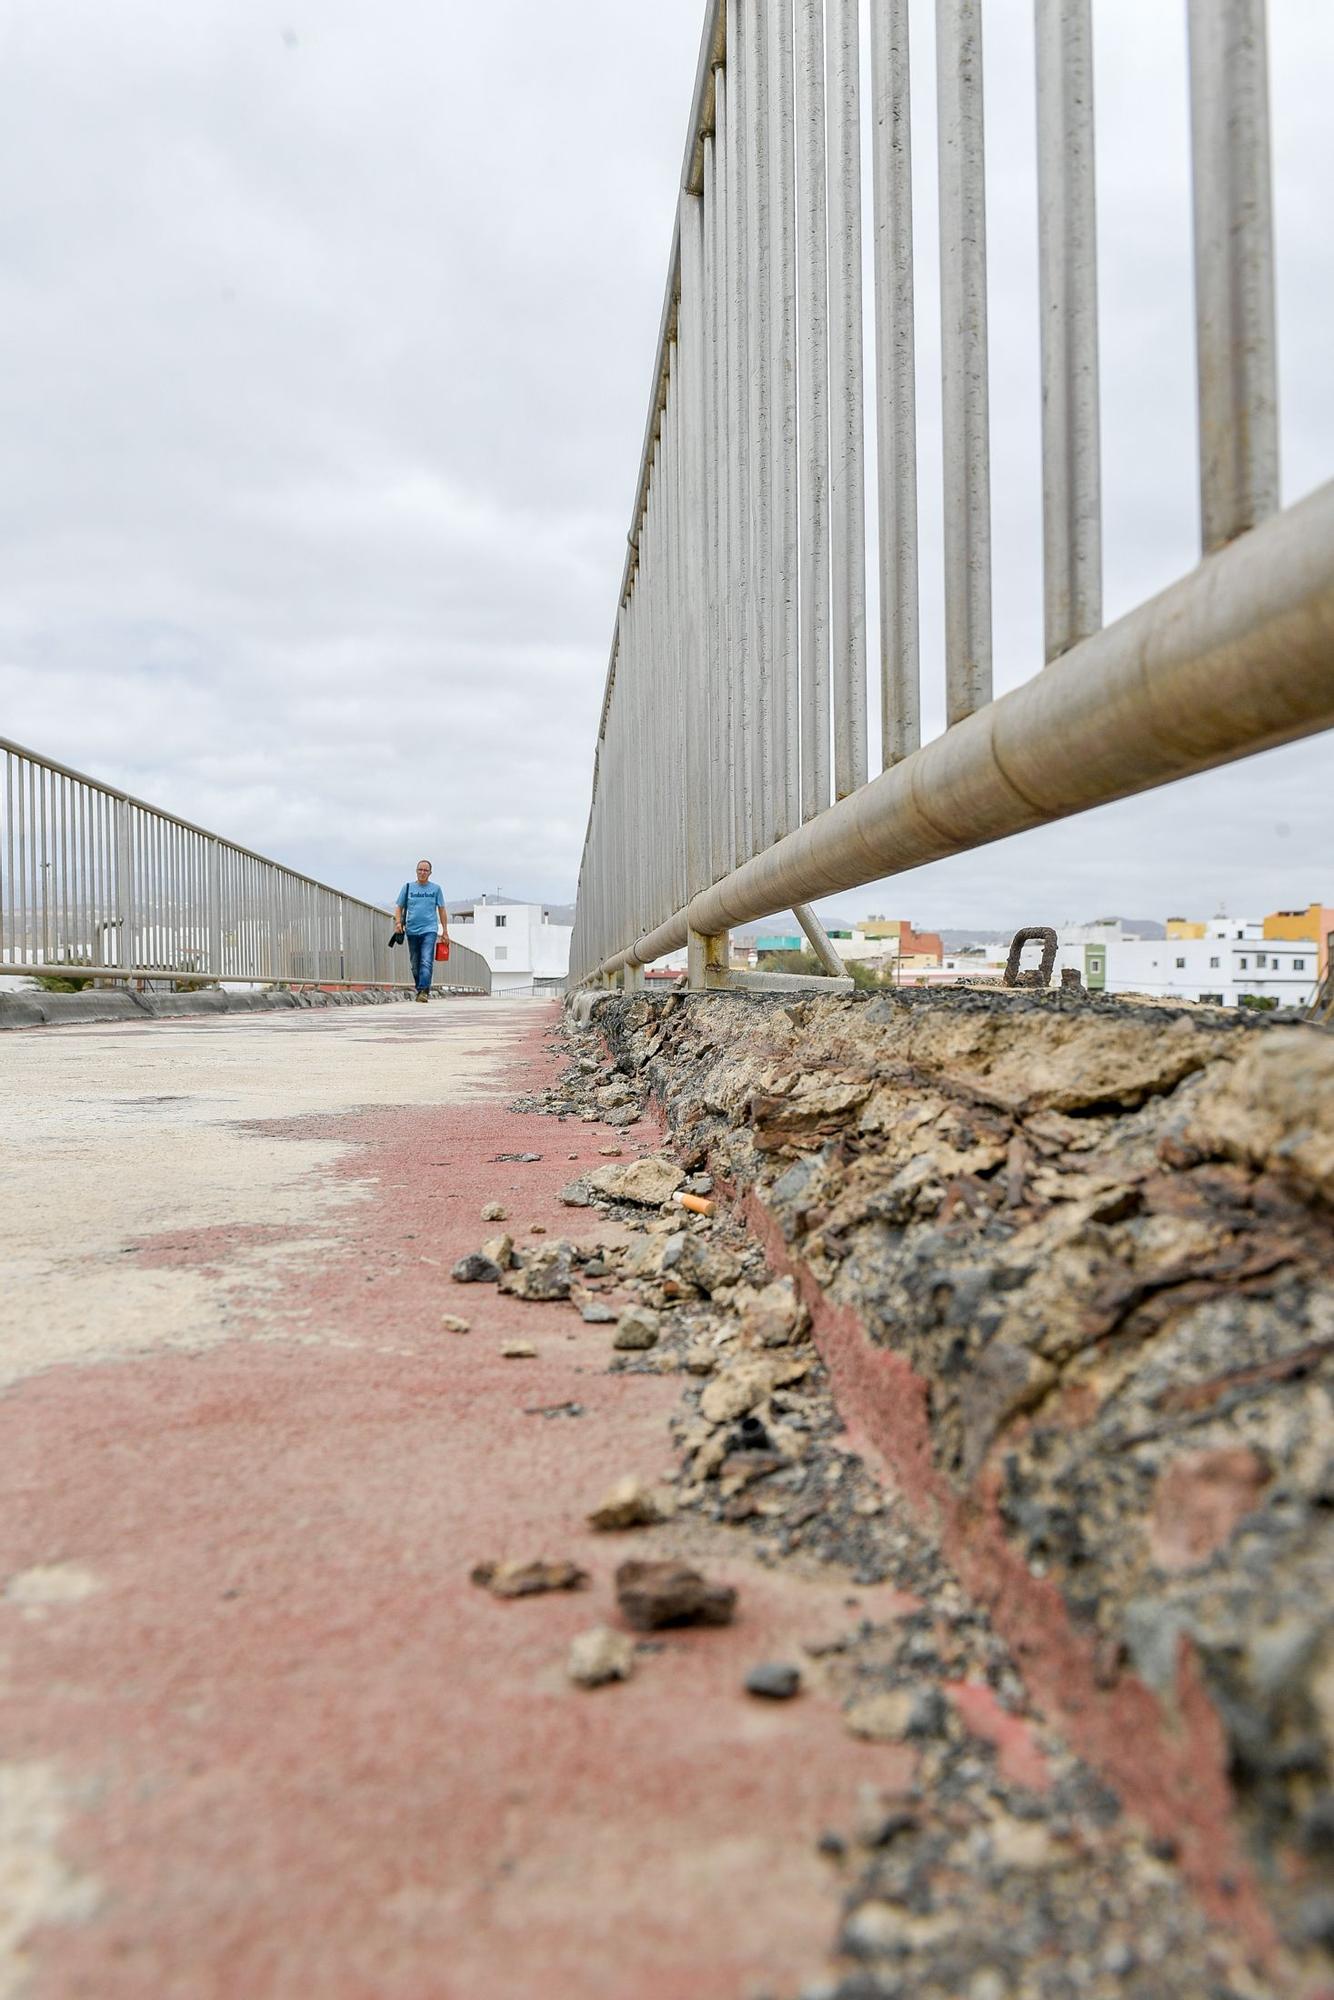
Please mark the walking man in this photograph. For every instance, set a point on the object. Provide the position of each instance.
(420, 905)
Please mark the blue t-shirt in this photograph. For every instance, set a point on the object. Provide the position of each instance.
(420, 901)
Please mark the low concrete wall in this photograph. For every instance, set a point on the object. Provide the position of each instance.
(1070, 1263)
(53, 1010)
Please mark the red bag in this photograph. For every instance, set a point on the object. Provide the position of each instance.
(442, 948)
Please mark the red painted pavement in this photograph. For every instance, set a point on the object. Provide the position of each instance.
(304, 1755)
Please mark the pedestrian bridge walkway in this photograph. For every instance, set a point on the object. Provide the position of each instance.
(263, 1736)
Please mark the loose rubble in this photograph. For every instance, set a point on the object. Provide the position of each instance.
(774, 1680)
(984, 1183)
(528, 1579)
(636, 1329)
(648, 1182)
(631, 1504)
(475, 1269)
(599, 1657)
(652, 1595)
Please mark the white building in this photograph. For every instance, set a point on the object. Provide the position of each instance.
(526, 945)
(1235, 960)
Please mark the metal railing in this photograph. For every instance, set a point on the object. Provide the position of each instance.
(730, 778)
(94, 883)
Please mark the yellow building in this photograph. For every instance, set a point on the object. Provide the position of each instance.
(1311, 925)
(1180, 927)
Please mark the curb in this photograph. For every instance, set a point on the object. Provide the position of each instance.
(54, 1010)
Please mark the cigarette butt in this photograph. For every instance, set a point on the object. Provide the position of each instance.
(696, 1204)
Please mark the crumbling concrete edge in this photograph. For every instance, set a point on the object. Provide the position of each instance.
(1167, 1761)
(1168, 1768)
(54, 1010)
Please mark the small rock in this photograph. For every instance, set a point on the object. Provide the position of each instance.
(476, 1269)
(700, 1360)
(649, 1182)
(597, 1267)
(495, 1212)
(611, 1152)
(630, 1504)
(637, 1328)
(1022, 1844)
(774, 1680)
(771, 1316)
(876, 1927)
(697, 1265)
(537, 1229)
(500, 1250)
(746, 1384)
(881, 1718)
(518, 1350)
(598, 1314)
(542, 1274)
(654, 1594)
(528, 1579)
(832, 1844)
(600, 1656)
(576, 1195)
(451, 1323)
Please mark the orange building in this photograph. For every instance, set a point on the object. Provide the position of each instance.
(920, 945)
(1314, 924)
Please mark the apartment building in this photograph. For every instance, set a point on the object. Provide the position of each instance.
(526, 945)
(1231, 964)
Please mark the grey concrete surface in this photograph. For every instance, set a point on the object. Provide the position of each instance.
(32, 1008)
(119, 1132)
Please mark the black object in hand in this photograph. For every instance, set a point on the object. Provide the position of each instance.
(396, 938)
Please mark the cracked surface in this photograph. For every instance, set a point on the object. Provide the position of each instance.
(1091, 1246)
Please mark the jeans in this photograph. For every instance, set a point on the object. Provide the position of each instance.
(421, 951)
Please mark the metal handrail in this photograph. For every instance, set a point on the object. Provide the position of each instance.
(97, 883)
(730, 776)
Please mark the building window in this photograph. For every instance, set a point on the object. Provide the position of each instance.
(1299, 965)
(1261, 960)
(1245, 964)
(1181, 965)
(1213, 965)
(502, 951)
(501, 922)
(1211, 999)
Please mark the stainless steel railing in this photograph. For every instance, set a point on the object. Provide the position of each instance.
(96, 883)
(731, 776)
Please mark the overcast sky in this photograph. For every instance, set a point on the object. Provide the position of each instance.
(326, 332)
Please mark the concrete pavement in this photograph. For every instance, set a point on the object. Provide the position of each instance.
(259, 1734)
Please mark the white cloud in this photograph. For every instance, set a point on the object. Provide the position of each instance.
(328, 335)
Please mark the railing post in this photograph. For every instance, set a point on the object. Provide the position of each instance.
(706, 960)
(126, 951)
(214, 909)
